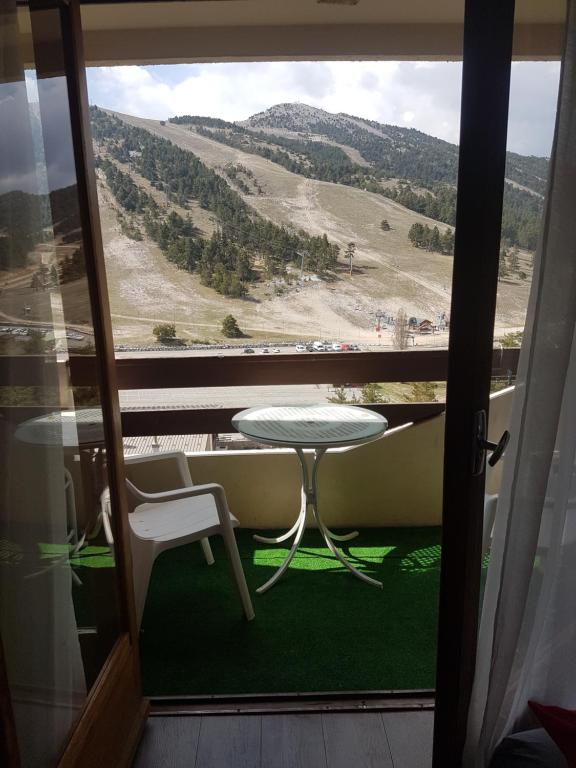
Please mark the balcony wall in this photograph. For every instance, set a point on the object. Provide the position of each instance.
(395, 481)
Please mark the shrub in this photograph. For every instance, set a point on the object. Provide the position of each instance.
(164, 332)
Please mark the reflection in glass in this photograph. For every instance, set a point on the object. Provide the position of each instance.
(59, 615)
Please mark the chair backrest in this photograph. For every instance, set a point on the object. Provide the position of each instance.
(155, 473)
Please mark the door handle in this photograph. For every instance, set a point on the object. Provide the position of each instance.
(482, 444)
(497, 448)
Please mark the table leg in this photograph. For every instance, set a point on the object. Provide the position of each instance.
(100, 482)
(299, 528)
(339, 537)
(326, 533)
(310, 497)
(302, 514)
(278, 539)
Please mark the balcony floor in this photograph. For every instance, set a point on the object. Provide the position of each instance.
(327, 740)
(318, 629)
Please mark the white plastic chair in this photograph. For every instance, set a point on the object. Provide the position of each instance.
(490, 504)
(161, 521)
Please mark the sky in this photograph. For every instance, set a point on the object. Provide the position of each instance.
(422, 95)
(21, 158)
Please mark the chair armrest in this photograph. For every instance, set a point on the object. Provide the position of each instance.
(208, 489)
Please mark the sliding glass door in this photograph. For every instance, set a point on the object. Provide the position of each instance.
(65, 605)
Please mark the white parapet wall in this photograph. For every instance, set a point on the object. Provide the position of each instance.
(395, 481)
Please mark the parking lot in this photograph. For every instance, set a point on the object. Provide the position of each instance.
(25, 331)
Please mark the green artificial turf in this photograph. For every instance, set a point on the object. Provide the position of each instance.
(318, 629)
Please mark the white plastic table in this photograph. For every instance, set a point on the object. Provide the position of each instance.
(80, 428)
(83, 430)
(317, 427)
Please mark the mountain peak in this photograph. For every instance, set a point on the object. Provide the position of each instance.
(294, 116)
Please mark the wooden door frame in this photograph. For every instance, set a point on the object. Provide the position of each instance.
(488, 33)
(9, 752)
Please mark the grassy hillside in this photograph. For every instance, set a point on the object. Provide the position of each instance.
(389, 273)
(417, 170)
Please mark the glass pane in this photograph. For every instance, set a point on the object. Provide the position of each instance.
(265, 209)
(59, 609)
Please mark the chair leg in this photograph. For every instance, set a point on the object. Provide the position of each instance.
(238, 571)
(143, 556)
(490, 504)
(207, 549)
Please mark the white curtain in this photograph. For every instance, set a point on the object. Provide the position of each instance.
(527, 640)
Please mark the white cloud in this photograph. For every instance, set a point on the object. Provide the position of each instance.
(423, 95)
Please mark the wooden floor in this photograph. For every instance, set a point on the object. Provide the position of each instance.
(326, 740)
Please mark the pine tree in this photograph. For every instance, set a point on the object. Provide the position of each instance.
(371, 394)
(513, 261)
(230, 328)
(448, 242)
(423, 392)
(415, 234)
(339, 395)
(384, 225)
(434, 243)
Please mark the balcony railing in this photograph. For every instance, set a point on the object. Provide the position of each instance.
(188, 371)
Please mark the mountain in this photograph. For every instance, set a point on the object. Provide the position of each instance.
(425, 157)
(227, 260)
(406, 165)
(203, 218)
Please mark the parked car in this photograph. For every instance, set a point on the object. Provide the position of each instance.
(300, 348)
(276, 350)
(248, 351)
(265, 351)
(318, 346)
(336, 347)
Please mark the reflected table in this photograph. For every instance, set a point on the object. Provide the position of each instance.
(81, 430)
(317, 428)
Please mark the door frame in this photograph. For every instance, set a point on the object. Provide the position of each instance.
(487, 59)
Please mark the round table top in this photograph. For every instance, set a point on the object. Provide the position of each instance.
(310, 426)
(70, 429)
